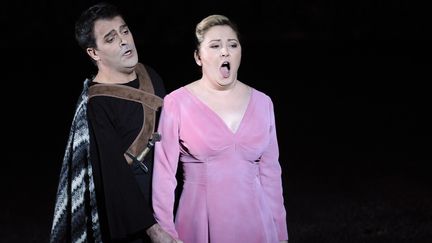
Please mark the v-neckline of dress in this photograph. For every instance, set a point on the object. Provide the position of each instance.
(211, 111)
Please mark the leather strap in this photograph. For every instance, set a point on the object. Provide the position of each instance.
(144, 95)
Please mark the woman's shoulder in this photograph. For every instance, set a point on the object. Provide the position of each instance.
(260, 95)
(176, 96)
(176, 93)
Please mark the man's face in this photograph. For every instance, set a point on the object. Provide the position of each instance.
(115, 47)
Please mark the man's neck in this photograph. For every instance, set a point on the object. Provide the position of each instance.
(111, 76)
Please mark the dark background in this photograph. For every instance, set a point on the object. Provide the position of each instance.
(349, 80)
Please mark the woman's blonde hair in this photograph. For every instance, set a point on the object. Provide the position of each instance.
(210, 21)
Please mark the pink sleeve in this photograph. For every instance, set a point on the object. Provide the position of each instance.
(271, 179)
(165, 167)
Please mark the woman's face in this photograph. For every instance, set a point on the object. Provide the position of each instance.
(219, 55)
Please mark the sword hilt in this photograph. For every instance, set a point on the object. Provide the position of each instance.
(156, 137)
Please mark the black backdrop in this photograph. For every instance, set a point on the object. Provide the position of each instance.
(348, 78)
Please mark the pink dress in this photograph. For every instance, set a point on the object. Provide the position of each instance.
(232, 190)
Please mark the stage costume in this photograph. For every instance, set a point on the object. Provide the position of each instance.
(232, 189)
(102, 195)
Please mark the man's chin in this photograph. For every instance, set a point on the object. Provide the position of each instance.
(130, 66)
(131, 61)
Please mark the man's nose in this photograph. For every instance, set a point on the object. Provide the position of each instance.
(123, 40)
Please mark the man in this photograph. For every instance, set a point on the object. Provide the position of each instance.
(104, 189)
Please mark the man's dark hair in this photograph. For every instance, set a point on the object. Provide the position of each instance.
(84, 26)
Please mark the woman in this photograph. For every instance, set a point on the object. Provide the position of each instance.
(223, 133)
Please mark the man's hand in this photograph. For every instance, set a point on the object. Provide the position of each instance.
(158, 235)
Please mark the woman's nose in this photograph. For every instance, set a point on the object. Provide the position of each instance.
(224, 52)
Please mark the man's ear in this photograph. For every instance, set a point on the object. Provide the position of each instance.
(92, 53)
(197, 58)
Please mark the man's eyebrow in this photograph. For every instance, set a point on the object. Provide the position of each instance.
(109, 33)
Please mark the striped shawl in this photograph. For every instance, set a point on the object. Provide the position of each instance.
(75, 213)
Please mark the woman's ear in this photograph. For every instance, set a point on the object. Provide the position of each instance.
(197, 58)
